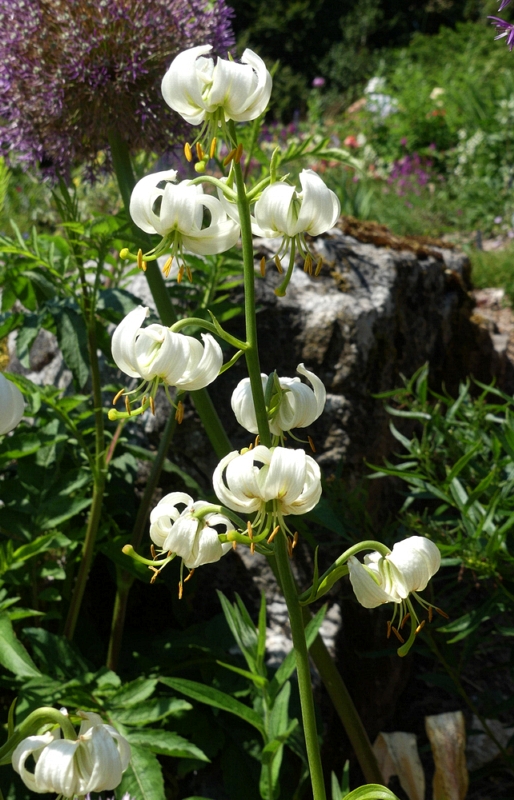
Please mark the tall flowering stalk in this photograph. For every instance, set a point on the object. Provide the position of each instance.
(265, 481)
(70, 71)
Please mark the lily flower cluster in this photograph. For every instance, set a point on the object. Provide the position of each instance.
(92, 762)
(506, 28)
(211, 95)
(11, 405)
(159, 355)
(264, 484)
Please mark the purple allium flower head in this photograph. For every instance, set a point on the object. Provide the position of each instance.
(317, 83)
(72, 71)
(506, 28)
(504, 4)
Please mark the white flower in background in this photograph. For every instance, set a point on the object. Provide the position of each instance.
(11, 405)
(194, 540)
(198, 89)
(436, 92)
(176, 211)
(157, 352)
(283, 211)
(296, 407)
(246, 482)
(94, 762)
(390, 579)
(379, 103)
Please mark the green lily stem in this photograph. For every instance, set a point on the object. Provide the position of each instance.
(99, 477)
(126, 181)
(302, 667)
(124, 579)
(252, 351)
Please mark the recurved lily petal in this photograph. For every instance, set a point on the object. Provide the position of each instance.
(12, 405)
(320, 207)
(185, 82)
(146, 193)
(165, 513)
(203, 367)
(124, 341)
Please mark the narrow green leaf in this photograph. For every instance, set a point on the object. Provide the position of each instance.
(213, 697)
(261, 634)
(13, 655)
(150, 710)
(258, 680)
(463, 460)
(134, 692)
(165, 743)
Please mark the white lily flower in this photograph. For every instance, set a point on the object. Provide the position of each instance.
(246, 482)
(392, 578)
(194, 540)
(198, 89)
(158, 352)
(298, 406)
(282, 211)
(12, 405)
(176, 212)
(94, 762)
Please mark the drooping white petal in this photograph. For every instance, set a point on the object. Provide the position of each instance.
(144, 197)
(31, 746)
(230, 491)
(184, 82)
(56, 770)
(320, 206)
(161, 353)
(310, 494)
(320, 393)
(204, 364)
(12, 405)
(367, 591)
(286, 475)
(242, 404)
(165, 513)
(124, 340)
(274, 210)
(181, 208)
(417, 559)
